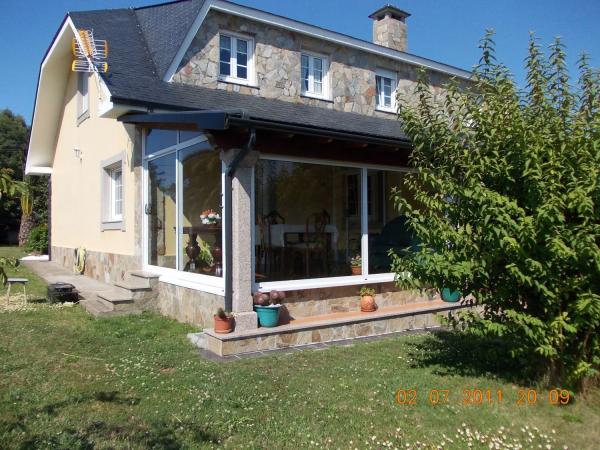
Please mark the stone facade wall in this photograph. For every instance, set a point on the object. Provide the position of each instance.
(312, 302)
(277, 66)
(105, 267)
(188, 305)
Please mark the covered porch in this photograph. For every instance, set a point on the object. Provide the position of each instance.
(235, 205)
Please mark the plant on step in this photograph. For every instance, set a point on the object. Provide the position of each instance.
(268, 307)
(268, 298)
(221, 314)
(367, 299)
(367, 291)
(505, 200)
(223, 321)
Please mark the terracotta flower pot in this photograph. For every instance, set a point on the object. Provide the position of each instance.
(223, 325)
(367, 303)
(356, 270)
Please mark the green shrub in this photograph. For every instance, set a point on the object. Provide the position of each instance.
(38, 239)
(508, 187)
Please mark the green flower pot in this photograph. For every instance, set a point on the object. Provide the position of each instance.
(450, 296)
(268, 316)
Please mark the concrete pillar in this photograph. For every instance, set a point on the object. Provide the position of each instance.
(241, 245)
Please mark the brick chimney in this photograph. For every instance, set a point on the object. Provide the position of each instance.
(389, 27)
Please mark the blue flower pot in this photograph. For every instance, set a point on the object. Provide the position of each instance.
(268, 316)
(450, 296)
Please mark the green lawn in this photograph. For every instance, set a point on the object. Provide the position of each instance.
(68, 381)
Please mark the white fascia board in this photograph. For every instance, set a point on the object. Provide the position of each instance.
(308, 30)
(51, 88)
(37, 170)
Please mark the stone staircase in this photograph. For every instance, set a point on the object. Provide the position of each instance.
(134, 294)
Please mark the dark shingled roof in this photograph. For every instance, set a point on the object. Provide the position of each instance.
(144, 41)
(165, 27)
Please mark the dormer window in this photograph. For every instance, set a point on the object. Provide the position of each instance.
(314, 73)
(385, 90)
(235, 58)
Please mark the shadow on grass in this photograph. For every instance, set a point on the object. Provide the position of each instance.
(458, 353)
(152, 435)
(160, 434)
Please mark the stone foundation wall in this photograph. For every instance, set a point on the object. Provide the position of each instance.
(188, 305)
(277, 67)
(312, 302)
(105, 267)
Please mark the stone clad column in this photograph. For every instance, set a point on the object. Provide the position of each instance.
(241, 245)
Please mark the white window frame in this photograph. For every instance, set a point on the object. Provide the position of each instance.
(325, 94)
(83, 96)
(250, 70)
(110, 219)
(114, 187)
(194, 281)
(379, 100)
(351, 280)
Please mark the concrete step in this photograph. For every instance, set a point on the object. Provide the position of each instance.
(120, 299)
(133, 285)
(328, 328)
(96, 307)
(142, 277)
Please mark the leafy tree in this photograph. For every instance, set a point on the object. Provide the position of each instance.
(508, 183)
(10, 188)
(13, 141)
(14, 135)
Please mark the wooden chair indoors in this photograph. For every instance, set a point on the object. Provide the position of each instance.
(268, 257)
(317, 242)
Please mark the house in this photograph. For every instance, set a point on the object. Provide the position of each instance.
(229, 150)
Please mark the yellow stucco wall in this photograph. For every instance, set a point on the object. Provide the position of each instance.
(77, 182)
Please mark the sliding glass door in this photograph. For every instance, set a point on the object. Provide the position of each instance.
(183, 203)
(161, 210)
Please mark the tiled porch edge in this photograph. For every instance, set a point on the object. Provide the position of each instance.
(327, 328)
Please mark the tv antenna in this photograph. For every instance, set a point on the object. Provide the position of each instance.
(90, 54)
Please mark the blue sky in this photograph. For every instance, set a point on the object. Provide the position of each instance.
(446, 31)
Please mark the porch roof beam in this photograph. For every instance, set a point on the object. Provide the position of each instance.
(222, 120)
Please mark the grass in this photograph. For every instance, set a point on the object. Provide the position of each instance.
(69, 381)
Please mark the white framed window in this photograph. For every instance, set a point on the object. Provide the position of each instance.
(236, 58)
(314, 75)
(116, 194)
(385, 83)
(113, 203)
(83, 101)
(368, 230)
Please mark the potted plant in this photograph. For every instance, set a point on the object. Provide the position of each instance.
(205, 255)
(356, 265)
(268, 307)
(449, 295)
(223, 321)
(367, 299)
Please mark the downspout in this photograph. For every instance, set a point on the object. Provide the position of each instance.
(229, 174)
